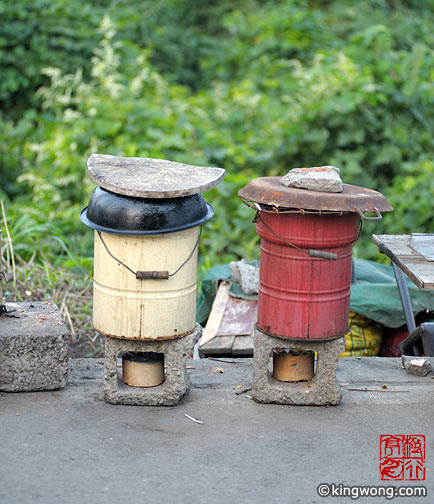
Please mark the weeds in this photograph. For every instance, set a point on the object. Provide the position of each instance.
(30, 275)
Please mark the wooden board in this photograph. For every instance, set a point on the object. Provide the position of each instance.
(218, 346)
(238, 346)
(411, 262)
(423, 243)
(230, 325)
(243, 346)
(151, 178)
(216, 314)
(239, 317)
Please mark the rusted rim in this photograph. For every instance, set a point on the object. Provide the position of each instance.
(340, 334)
(270, 192)
(284, 211)
(159, 339)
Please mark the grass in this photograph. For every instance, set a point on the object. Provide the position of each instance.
(71, 292)
(29, 274)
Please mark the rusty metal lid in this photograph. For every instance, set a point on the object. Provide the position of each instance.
(269, 191)
(151, 178)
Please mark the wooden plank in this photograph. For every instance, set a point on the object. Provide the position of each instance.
(423, 243)
(421, 274)
(416, 271)
(396, 245)
(216, 314)
(413, 264)
(239, 317)
(243, 345)
(230, 325)
(217, 346)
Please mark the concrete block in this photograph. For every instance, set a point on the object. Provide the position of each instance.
(415, 365)
(322, 390)
(176, 383)
(33, 347)
(317, 178)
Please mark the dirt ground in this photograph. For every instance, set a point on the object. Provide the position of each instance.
(85, 347)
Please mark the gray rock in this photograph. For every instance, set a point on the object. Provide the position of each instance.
(416, 365)
(317, 178)
(322, 390)
(33, 348)
(246, 275)
(151, 178)
(176, 383)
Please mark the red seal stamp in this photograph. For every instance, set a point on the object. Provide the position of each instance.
(402, 457)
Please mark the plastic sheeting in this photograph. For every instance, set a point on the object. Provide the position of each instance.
(374, 293)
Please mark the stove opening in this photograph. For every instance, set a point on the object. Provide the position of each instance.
(142, 369)
(292, 365)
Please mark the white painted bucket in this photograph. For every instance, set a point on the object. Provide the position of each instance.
(151, 309)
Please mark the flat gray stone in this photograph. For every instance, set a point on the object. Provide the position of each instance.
(322, 390)
(417, 366)
(33, 348)
(151, 178)
(176, 384)
(317, 178)
(246, 275)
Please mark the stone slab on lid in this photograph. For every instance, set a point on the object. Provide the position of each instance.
(151, 178)
(316, 178)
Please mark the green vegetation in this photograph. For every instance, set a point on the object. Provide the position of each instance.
(253, 86)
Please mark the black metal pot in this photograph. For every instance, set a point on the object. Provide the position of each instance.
(114, 213)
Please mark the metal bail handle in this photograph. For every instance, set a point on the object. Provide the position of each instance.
(152, 275)
(378, 217)
(321, 254)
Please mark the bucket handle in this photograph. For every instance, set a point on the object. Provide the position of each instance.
(152, 275)
(331, 256)
(378, 217)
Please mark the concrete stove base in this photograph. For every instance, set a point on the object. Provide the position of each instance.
(176, 383)
(322, 390)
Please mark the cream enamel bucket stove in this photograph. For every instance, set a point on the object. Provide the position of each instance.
(147, 215)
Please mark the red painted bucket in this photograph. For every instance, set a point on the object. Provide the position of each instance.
(304, 297)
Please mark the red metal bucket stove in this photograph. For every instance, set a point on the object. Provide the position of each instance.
(307, 239)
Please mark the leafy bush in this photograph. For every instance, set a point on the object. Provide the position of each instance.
(42, 33)
(257, 89)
